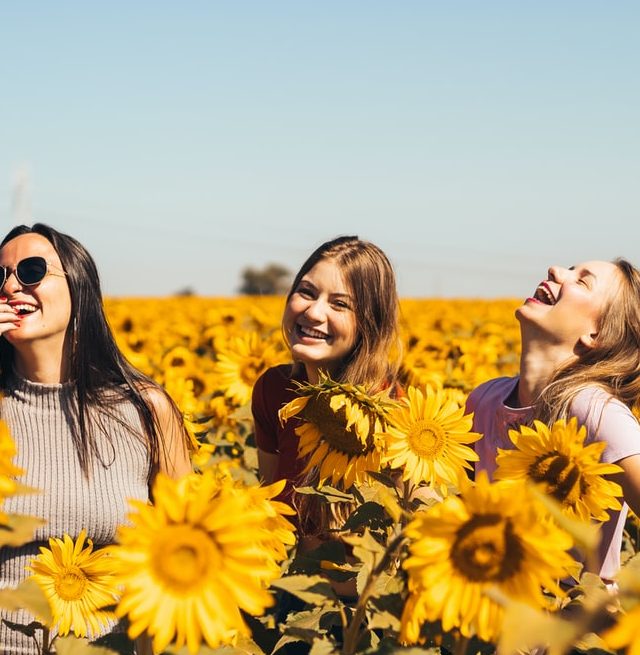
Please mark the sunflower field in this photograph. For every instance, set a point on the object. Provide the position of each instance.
(420, 558)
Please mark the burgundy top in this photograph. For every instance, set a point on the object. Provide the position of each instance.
(273, 389)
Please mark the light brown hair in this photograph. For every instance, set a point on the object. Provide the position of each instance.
(375, 358)
(613, 363)
(369, 276)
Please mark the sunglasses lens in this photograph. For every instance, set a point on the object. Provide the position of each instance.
(32, 270)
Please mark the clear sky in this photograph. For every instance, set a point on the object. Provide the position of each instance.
(477, 142)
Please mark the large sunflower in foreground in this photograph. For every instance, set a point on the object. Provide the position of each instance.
(79, 584)
(279, 532)
(190, 563)
(494, 535)
(569, 470)
(426, 436)
(8, 472)
(340, 429)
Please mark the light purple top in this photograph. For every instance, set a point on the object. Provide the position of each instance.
(606, 419)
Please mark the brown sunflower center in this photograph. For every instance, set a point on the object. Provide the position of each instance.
(561, 476)
(137, 345)
(332, 426)
(70, 583)
(486, 549)
(198, 386)
(426, 438)
(183, 557)
(251, 370)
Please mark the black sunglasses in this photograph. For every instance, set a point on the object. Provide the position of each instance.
(29, 271)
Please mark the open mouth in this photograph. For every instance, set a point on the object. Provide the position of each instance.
(23, 309)
(544, 295)
(311, 333)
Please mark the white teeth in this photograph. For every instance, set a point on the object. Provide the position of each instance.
(544, 295)
(310, 332)
(25, 309)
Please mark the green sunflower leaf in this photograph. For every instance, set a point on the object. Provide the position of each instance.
(312, 589)
(328, 493)
(29, 596)
(370, 514)
(19, 529)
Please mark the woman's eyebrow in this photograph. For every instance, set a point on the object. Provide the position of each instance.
(306, 282)
(585, 272)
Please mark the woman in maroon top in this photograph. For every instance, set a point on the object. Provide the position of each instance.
(341, 318)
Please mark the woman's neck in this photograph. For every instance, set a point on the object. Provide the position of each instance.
(538, 364)
(40, 365)
(312, 373)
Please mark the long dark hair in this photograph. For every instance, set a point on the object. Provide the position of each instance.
(94, 361)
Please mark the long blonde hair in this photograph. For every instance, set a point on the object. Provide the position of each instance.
(612, 364)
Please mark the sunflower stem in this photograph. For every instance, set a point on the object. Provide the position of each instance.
(407, 492)
(343, 618)
(46, 642)
(352, 632)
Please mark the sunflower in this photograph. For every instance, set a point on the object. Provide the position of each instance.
(190, 563)
(79, 584)
(241, 361)
(340, 429)
(625, 633)
(8, 472)
(569, 470)
(493, 535)
(280, 531)
(425, 437)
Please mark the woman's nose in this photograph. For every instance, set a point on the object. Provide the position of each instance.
(556, 273)
(11, 284)
(315, 311)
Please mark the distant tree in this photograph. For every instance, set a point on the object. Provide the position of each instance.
(273, 279)
(186, 291)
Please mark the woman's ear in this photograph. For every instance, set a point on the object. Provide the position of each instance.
(588, 341)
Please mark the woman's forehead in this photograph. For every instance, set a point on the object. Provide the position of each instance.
(28, 245)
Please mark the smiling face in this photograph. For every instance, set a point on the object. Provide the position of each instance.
(319, 320)
(45, 308)
(567, 307)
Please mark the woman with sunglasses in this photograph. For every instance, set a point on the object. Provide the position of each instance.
(91, 431)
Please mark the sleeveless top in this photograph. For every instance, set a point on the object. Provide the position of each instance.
(39, 420)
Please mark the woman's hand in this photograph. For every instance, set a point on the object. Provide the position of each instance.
(9, 317)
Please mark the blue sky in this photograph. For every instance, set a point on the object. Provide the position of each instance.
(476, 142)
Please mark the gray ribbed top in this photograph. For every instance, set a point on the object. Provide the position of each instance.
(38, 418)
